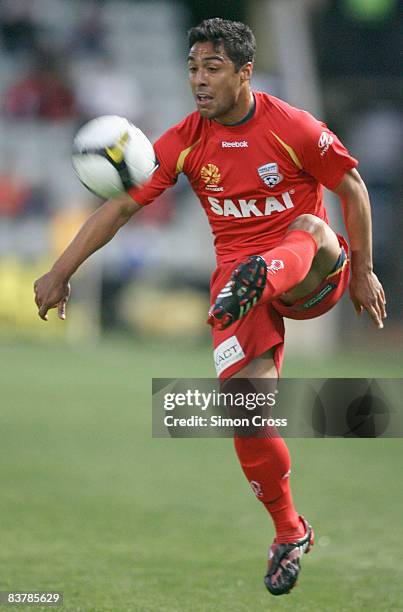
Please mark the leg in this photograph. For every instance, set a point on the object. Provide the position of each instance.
(292, 269)
(242, 351)
(260, 367)
(266, 460)
(266, 464)
(328, 251)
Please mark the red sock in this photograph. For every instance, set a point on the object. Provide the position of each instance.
(266, 464)
(288, 263)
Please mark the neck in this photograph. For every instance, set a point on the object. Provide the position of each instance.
(244, 106)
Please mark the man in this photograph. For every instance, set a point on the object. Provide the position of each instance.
(257, 166)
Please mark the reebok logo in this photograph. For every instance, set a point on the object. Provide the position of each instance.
(234, 144)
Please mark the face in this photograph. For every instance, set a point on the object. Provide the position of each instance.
(220, 92)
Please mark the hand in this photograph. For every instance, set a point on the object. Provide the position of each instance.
(366, 293)
(51, 292)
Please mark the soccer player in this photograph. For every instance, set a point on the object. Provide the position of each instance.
(258, 167)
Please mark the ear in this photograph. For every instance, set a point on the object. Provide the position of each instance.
(246, 72)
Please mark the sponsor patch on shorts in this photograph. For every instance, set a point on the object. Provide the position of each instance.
(227, 353)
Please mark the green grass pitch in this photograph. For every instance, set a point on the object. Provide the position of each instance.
(91, 505)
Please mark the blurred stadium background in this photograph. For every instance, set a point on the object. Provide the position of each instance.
(90, 503)
(65, 62)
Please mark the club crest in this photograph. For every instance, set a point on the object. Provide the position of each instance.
(270, 175)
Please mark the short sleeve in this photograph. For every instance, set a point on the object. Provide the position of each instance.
(165, 176)
(321, 153)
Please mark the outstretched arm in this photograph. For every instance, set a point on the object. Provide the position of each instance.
(366, 291)
(53, 289)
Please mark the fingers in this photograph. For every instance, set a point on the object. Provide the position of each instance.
(382, 305)
(357, 306)
(42, 308)
(50, 294)
(377, 312)
(368, 294)
(43, 312)
(61, 309)
(375, 316)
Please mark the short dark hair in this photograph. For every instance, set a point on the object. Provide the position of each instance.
(237, 39)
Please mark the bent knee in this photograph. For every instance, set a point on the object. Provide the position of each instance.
(315, 226)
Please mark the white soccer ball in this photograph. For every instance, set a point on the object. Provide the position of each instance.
(110, 155)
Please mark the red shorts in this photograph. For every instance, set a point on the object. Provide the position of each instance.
(263, 327)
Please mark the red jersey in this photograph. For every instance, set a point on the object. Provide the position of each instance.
(252, 179)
